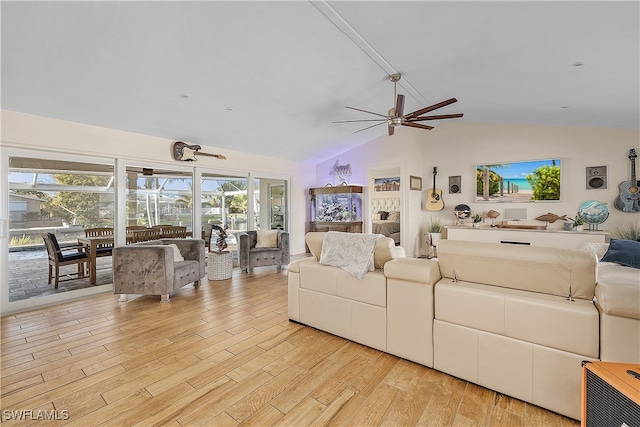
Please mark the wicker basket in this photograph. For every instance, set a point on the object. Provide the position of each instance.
(219, 265)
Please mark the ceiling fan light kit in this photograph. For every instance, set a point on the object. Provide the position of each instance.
(396, 116)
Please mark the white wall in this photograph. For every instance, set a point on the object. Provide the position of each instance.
(401, 152)
(457, 147)
(45, 134)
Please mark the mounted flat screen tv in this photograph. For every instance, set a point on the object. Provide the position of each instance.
(529, 181)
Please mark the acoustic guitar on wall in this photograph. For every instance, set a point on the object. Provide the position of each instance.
(187, 153)
(629, 198)
(434, 197)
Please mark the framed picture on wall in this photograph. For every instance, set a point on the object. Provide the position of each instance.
(415, 183)
(387, 184)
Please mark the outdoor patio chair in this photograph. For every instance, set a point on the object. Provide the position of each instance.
(58, 258)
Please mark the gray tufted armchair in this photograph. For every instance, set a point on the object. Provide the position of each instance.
(150, 268)
(249, 256)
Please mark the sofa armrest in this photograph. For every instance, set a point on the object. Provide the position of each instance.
(143, 269)
(413, 270)
(244, 244)
(283, 244)
(294, 266)
(410, 283)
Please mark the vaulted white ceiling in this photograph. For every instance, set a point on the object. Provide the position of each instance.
(271, 77)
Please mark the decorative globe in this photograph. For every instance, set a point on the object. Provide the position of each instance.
(593, 212)
(462, 211)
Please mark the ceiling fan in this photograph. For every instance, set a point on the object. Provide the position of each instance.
(149, 172)
(396, 116)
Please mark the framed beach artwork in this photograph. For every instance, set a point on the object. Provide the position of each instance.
(387, 184)
(527, 181)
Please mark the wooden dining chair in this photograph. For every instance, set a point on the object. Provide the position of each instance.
(58, 257)
(207, 231)
(174, 232)
(102, 249)
(133, 231)
(148, 234)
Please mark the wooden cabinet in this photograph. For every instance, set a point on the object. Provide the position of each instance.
(552, 238)
(347, 227)
(336, 208)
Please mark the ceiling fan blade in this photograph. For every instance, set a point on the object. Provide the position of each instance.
(430, 108)
(367, 120)
(365, 111)
(369, 127)
(417, 125)
(391, 130)
(400, 105)
(440, 117)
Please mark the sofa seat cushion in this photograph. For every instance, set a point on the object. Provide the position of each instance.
(547, 320)
(618, 290)
(337, 282)
(265, 256)
(553, 271)
(264, 250)
(185, 272)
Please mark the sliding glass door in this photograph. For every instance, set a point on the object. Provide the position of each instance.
(157, 196)
(60, 197)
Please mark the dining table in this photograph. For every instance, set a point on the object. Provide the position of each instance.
(90, 244)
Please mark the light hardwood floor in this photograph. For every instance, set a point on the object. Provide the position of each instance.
(223, 354)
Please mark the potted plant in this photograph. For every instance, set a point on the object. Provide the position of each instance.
(630, 231)
(434, 229)
(477, 219)
(578, 222)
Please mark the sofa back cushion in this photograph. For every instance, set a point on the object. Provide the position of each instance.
(547, 270)
(385, 250)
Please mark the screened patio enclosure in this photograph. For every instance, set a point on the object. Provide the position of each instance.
(66, 197)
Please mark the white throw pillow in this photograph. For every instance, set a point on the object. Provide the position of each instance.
(267, 239)
(177, 256)
(394, 216)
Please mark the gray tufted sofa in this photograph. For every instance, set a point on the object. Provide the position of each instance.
(249, 256)
(148, 268)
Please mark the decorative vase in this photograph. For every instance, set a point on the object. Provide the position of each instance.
(434, 238)
(476, 225)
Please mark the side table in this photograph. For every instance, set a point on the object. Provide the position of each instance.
(219, 265)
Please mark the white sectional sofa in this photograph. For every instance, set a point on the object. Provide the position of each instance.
(515, 319)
